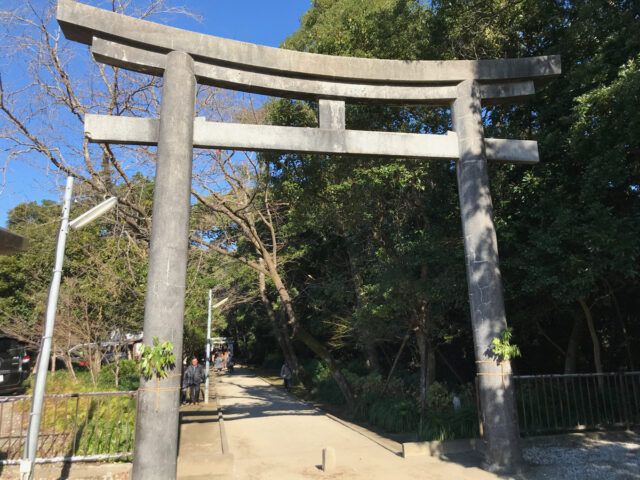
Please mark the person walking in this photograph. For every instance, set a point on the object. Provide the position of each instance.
(225, 359)
(193, 377)
(217, 364)
(230, 364)
(285, 373)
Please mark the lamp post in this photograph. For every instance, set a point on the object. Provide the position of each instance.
(31, 442)
(206, 382)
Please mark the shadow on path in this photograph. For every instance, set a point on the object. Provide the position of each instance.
(251, 396)
(275, 435)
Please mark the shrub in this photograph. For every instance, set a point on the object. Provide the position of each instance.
(373, 383)
(467, 394)
(449, 425)
(128, 377)
(329, 391)
(391, 414)
(316, 369)
(439, 398)
(62, 382)
(273, 361)
(362, 407)
(359, 367)
(327, 388)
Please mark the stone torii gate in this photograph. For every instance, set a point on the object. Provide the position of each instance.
(185, 58)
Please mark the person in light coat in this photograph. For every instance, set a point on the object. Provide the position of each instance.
(285, 373)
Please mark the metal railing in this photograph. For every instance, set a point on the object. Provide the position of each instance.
(573, 402)
(74, 427)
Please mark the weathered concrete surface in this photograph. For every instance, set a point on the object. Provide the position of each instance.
(11, 243)
(273, 435)
(82, 22)
(144, 131)
(73, 471)
(200, 454)
(137, 59)
(439, 448)
(488, 319)
(158, 402)
(331, 114)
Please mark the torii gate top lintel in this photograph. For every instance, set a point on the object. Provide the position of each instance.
(142, 46)
(82, 23)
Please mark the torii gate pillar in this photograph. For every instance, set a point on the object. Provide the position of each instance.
(166, 280)
(488, 319)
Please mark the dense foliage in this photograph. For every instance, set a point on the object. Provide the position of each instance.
(382, 238)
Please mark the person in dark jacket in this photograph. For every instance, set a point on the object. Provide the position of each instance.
(193, 377)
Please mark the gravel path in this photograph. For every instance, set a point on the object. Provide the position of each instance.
(597, 456)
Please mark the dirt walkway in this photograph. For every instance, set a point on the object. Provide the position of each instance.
(273, 435)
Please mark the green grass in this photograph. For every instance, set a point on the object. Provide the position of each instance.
(87, 425)
(449, 425)
(94, 425)
(61, 381)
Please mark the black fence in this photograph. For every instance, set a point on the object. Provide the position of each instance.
(78, 426)
(574, 402)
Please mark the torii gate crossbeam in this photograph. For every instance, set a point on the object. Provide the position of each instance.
(186, 58)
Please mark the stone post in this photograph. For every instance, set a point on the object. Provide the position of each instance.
(156, 441)
(331, 114)
(496, 392)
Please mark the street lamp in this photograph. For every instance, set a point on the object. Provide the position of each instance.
(206, 382)
(31, 442)
(95, 212)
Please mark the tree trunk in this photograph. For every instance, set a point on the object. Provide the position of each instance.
(53, 359)
(117, 369)
(449, 366)
(427, 353)
(320, 350)
(89, 361)
(623, 326)
(282, 336)
(371, 355)
(594, 336)
(309, 340)
(69, 366)
(594, 339)
(550, 340)
(431, 364)
(34, 365)
(369, 348)
(397, 357)
(573, 346)
(422, 348)
(427, 368)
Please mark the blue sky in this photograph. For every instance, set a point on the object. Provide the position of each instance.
(265, 22)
